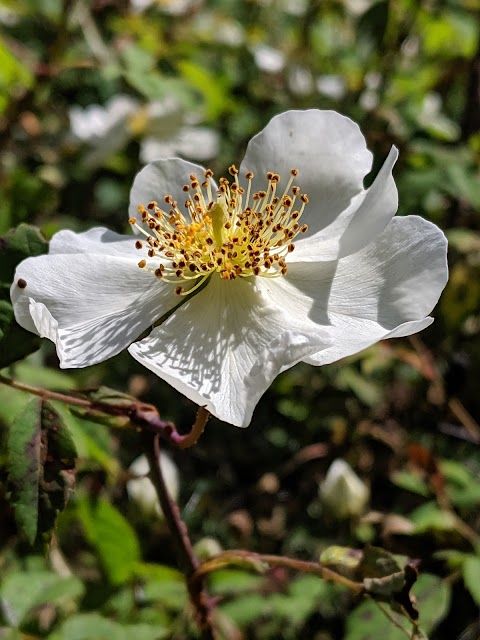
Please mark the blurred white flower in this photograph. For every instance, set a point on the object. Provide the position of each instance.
(295, 7)
(342, 492)
(219, 28)
(268, 59)
(300, 80)
(171, 7)
(290, 260)
(198, 143)
(357, 7)
(162, 126)
(332, 86)
(141, 490)
(431, 118)
(373, 80)
(205, 548)
(96, 124)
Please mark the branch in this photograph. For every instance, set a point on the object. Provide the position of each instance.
(131, 412)
(199, 598)
(260, 562)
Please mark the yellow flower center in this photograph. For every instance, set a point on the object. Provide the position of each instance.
(234, 232)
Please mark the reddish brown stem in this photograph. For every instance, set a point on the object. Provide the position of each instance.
(256, 560)
(138, 413)
(186, 557)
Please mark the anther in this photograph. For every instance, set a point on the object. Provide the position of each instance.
(142, 264)
(138, 244)
(294, 172)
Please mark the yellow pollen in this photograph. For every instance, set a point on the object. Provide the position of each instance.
(230, 231)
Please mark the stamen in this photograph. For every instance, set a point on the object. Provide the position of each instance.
(235, 233)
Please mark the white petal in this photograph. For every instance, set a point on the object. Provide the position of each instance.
(161, 178)
(384, 291)
(92, 306)
(328, 150)
(387, 289)
(225, 345)
(95, 240)
(366, 217)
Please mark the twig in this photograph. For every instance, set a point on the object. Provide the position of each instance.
(137, 414)
(188, 562)
(46, 394)
(256, 560)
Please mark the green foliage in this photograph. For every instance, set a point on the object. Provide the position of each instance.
(15, 246)
(86, 626)
(406, 72)
(112, 536)
(22, 593)
(41, 458)
(369, 621)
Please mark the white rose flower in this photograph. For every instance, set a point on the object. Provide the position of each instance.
(249, 277)
(342, 492)
(141, 490)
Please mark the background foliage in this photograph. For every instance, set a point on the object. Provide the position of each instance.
(89, 91)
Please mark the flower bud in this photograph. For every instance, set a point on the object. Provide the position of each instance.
(206, 548)
(141, 490)
(342, 492)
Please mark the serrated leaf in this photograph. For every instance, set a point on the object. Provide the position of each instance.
(113, 537)
(24, 467)
(41, 458)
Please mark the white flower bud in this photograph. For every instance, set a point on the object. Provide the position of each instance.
(141, 490)
(342, 492)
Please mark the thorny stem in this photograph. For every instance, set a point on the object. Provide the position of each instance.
(138, 413)
(189, 564)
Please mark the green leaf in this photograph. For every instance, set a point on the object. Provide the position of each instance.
(15, 246)
(24, 467)
(113, 537)
(163, 585)
(410, 482)
(88, 626)
(20, 593)
(372, 26)
(471, 577)
(433, 600)
(244, 609)
(368, 622)
(233, 581)
(41, 458)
